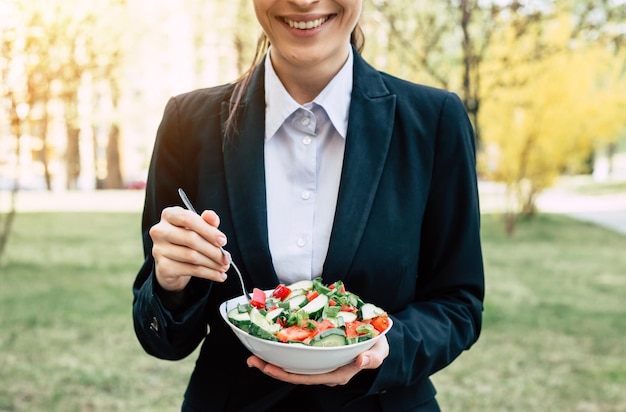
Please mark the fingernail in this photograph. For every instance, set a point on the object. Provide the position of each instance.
(365, 361)
(224, 276)
(221, 240)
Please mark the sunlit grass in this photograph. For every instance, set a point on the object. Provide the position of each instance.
(553, 337)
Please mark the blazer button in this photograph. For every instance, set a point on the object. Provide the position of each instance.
(154, 325)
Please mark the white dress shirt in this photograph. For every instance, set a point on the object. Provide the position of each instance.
(304, 147)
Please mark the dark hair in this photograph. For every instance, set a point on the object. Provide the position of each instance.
(357, 39)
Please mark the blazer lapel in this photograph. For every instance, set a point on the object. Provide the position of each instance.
(245, 181)
(367, 143)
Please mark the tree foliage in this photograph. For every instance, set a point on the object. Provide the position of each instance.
(549, 98)
(541, 80)
(54, 53)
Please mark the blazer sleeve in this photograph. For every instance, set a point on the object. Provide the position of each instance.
(161, 332)
(446, 317)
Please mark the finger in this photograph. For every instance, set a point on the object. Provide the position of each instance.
(165, 233)
(340, 376)
(169, 269)
(211, 218)
(374, 357)
(183, 218)
(187, 255)
(370, 359)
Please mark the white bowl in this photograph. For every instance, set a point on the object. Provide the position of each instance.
(297, 358)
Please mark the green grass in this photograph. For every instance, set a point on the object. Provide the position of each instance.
(66, 340)
(554, 323)
(553, 336)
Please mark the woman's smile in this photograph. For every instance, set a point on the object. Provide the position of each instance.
(308, 34)
(302, 24)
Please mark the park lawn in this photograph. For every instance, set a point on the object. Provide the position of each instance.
(67, 341)
(554, 322)
(552, 340)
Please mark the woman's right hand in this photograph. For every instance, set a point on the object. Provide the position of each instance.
(185, 245)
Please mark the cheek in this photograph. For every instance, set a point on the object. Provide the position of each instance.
(267, 24)
(260, 11)
(352, 7)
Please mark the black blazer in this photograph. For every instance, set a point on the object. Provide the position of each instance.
(405, 237)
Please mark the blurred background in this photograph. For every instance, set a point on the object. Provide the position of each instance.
(83, 85)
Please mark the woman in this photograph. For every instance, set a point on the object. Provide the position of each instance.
(313, 164)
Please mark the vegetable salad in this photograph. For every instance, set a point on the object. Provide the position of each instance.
(311, 313)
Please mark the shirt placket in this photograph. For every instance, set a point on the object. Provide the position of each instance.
(305, 140)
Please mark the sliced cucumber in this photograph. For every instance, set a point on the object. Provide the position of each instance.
(357, 339)
(295, 293)
(272, 315)
(260, 327)
(239, 319)
(297, 302)
(330, 337)
(369, 311)
(305, 285)
(315, 307)
(347, 316)
(255, 330)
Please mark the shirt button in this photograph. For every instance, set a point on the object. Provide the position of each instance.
(306, 140)
(305, 121)
(305, 195)
(300, 242)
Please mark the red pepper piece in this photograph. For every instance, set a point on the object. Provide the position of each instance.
(258, 298)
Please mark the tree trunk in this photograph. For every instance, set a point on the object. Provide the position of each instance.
(114, 178)
(100, 182)
(469, 67)
(114, 171)
(7, 223)
(45, 152)
(72, 157)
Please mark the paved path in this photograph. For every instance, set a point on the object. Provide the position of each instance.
(75, 201)
(605, 210)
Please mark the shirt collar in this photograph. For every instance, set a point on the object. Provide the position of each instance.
(334, 98)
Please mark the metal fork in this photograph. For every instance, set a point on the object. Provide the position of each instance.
(189, 206)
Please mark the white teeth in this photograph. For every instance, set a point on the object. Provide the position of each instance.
(306, 25)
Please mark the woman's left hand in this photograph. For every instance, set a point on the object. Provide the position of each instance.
(370, 359)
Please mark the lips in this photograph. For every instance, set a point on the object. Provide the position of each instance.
(306, 24)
